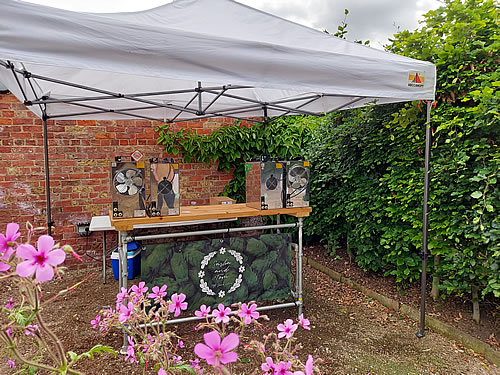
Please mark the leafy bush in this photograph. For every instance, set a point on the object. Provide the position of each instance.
(368, 164)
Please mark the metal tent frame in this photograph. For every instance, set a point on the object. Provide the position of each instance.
(195, 108)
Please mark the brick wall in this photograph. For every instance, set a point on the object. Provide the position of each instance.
(80, 153)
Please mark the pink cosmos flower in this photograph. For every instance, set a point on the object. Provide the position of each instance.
(304, 322)
(9, 304)
(203, 312)
(177, 304)
(287, 329)
(215, 352)
(125, 312)
(130, 351)
(39, 261)
(161, 371)
(221, 314)
(158, 293)
(7, 241)
(248, 312)
(269, 365)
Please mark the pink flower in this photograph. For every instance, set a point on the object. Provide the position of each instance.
(177, 304)
(203, 312)
(287, 329)
(180, 343)
(158, 293)
(304, 322)
(39, 261)
(4, 267)
(96, 322)
(309, 365)
(221, 314)
(195, 364)
(177, 360)
(161, 371)
(7, 241)
(282, 368)
(215, 352)
(269, 365)
(125, 312)
(248, 312)
(130, 351)
(30, 330)
(9, 304)
(140, 289)
(120, 297)
(11, 363)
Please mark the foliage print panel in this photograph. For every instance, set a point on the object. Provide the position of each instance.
(224, 271)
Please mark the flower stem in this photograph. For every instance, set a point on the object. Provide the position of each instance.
(57, 341)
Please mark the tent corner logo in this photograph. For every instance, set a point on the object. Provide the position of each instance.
(415, 79)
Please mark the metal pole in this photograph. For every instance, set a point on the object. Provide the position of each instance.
(299, 267)
(424, 254)
(194, 318)
(212, 231)
(47, 176)
(104, 256)
(122, 254)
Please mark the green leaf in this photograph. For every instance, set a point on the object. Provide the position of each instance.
(477, 194)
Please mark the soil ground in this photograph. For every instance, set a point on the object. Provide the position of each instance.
(351, 333)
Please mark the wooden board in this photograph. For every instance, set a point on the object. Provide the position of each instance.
(220, 211)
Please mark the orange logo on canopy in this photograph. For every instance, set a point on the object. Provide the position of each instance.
(416, 79)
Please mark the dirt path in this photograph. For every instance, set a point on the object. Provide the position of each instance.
(351, 333)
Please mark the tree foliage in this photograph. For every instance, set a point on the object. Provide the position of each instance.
(368, 163)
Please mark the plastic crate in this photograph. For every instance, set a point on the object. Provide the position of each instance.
(133, 260)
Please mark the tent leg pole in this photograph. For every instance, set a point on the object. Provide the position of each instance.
(47, 176)
(424, 253)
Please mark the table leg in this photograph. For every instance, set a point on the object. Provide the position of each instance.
(123, 276)
(299, 267)
(104, 257)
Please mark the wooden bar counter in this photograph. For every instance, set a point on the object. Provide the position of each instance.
(220, 211)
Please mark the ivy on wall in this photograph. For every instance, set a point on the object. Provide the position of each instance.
(232, 145)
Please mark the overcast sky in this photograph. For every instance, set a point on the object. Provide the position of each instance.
(374, 20)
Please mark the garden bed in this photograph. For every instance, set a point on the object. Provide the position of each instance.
(353, 334)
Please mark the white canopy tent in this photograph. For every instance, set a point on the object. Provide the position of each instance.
(194, 59)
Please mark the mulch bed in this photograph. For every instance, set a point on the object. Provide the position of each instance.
(456, 311)
(351, 333)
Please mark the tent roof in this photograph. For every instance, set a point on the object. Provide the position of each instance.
(192, 59)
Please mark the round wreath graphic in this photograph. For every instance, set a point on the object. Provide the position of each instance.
(203, 284)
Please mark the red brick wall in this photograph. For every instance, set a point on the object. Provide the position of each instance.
(80, 153)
